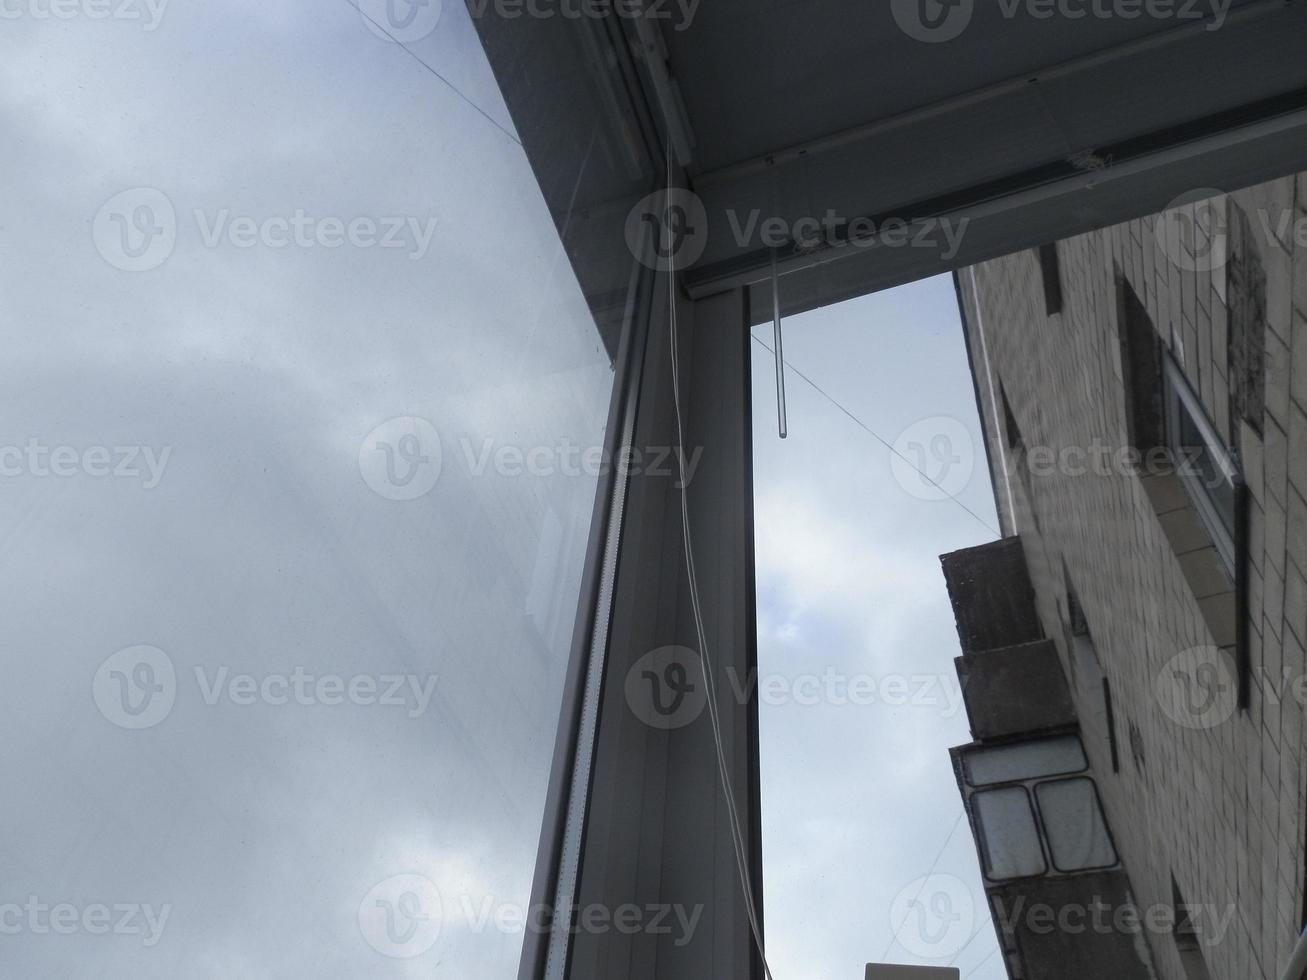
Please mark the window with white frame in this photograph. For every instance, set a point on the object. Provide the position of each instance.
(1201, 460)
(1036, 809)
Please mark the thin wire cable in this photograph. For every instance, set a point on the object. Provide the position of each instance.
(705, 660)
(452, 87)
(988, 920)
(888, 445)
(938, 854)
(714, 711)
(983, 962)
(710, 688)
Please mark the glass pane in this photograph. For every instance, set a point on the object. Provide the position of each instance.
(1008, 834)
(1202, 466)
(1025, 760)
(1073, 820)
(299, 393)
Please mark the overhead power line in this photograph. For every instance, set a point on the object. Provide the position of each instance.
(875, 435)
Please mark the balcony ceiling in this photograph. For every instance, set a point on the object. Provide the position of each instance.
(1034, 127)
(760, 75)
(800, 107)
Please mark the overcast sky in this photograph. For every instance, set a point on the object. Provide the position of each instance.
(216, 503)
(858, 792)
(257, 529)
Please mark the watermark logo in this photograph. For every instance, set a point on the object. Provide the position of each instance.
(933, 21)
(405, 916)
(1196, 230)
(1197, 689)
(933, 916)
(934, 458)
(402, 21)
(149, 13)
(668, 230)
(665, 688)
(1193, 231)
(136, 687)
(401, 459)
(402, 916)
(136, 230)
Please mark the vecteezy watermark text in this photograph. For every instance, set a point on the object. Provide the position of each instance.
(303, 230)
(679, 12)
(403, 458)
(593, 919)
(934, 917)
(137, 687)
(408, 691)
(938, 234)
(40, 918)
(566, 458)
(35, 458)
(940, 21)
(1100, 458)
(1101, 917)
(670, 230)
(148, 12)
(136, 230)
(403, 917)
(666, 689)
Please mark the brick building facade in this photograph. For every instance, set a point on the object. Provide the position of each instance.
(1143, 391)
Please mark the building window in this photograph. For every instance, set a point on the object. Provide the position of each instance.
(1201, 461)
(1190, 478)
(1036, 810)
(1018, 460)
(1246, 356)
(1073, 820)
(1011, 431)
(1051, 270)
(359, 657)
(1188, 938)
(1136, 745)
(1140, 362)
(1009, 834)
(1075, 615)
(1088, 678)
(1109, 719)
(1026, 760)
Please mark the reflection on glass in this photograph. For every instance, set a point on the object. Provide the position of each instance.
(1008, 833)
(1202, 462)
(1025, 760)
(1203, 465)
(294, 499)
(1073, 820)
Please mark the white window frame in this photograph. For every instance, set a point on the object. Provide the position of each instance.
(1179, 395)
